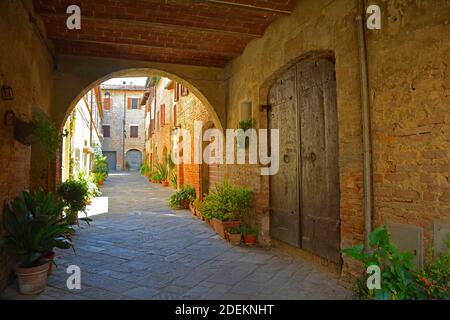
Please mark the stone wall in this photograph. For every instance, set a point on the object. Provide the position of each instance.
(409, 81)
(30, 76)
(114, 118)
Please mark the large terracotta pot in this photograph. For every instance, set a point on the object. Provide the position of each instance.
(32, 280)
(165, 183)
(249, 239)
(50, 257)
(221, 226)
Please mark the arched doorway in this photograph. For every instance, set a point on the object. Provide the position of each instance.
(134, 160)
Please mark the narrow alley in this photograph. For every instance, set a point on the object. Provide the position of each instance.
(141, 249)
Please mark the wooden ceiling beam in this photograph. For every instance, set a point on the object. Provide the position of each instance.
(158, 25)
(250, 7)
(219, 55)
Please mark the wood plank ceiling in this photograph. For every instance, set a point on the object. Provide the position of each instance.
(192, 32)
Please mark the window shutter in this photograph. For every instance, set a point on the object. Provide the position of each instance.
(139, 104)
(175, 115)
(107, 103)
(163, 114)
(176, 93)
(129, 104)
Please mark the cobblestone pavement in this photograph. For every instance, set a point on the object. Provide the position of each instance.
(141, 249)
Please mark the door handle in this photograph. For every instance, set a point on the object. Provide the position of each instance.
(312, 156)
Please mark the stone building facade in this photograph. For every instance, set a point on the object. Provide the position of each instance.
(170, 107)
(124, 147)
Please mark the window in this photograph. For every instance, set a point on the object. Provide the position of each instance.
(107, 101)
(107, 131)
(134, 104)
(134, 131)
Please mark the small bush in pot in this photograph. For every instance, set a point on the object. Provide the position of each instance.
(34, 226)
(224, 206)
(234, 236)
(182, 198)
(249, 235)
(75, 196)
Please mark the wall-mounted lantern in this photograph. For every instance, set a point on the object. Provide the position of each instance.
(7, 93)
(9, 118)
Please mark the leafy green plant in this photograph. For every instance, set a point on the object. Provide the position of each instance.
(75, 196)
(249, 231)
(144, 169)
(234, 230)
(47, 134)
(244, 125)
(186, 193)
(162, 171)
(101, 164)
(156, 177)
(397, 270)
(89, 182)
(226, 202)
(34, 226)
(434, 279)
(173, 180)
(97, 177)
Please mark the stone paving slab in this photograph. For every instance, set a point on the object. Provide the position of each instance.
(141, 249)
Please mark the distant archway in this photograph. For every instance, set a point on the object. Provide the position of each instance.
(134, 159)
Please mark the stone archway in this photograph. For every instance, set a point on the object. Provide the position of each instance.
(77, 75)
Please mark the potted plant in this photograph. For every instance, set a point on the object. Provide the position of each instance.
(181, 199)
(34, 226)
(163, 172)
(234, 236)
(249, 235)
(244, 125)
(173, 180)
(75, 196)
(196, 204)
(225, 205)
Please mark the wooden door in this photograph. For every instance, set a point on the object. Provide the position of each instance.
(320, 219)
(284, 194)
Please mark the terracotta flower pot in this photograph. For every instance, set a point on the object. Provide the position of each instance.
(249, 239)
(184, 204)
(50, 257)
(101, 182)
(165, 183)
(192, 209)
(32, 280)
(234, 239)
(221, 226)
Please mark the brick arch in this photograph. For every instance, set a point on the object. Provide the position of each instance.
(75, 76)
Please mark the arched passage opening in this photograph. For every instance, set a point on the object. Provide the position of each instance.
(115, 159)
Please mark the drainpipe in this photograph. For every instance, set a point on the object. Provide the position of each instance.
(365, 117)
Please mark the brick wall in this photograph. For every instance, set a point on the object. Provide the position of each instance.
(188, 109)
(409, 90)
(30, 76)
